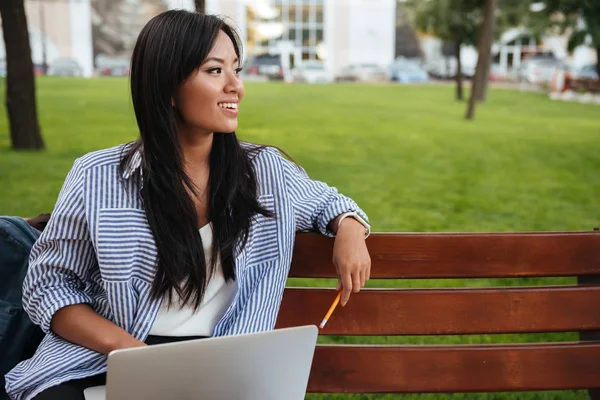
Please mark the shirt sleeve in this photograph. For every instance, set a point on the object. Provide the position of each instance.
(62, 258)
(315, 203)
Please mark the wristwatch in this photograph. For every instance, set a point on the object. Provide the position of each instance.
(357, 217)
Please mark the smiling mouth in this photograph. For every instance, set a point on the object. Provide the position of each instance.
(228, 106)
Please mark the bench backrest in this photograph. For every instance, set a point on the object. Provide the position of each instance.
(456, 368)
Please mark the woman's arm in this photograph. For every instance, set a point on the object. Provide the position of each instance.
(60, 266)
(81, 325)
(317, 205)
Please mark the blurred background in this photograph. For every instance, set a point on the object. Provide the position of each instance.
(434, 115)
(327, 40)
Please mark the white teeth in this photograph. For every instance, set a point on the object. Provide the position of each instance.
(228, 105)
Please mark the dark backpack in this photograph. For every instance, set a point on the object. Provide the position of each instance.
(19, 337)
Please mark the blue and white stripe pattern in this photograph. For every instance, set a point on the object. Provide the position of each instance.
(98, 249)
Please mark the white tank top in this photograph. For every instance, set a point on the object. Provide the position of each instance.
(178, 321)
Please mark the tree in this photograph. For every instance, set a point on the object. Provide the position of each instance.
(450, 20)
(460, 22)
(407, 42)
(570, 13)
(484, 49)
(20, 84)
(508, 13)
(200, 6)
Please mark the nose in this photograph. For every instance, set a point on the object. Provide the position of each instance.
(234, 83)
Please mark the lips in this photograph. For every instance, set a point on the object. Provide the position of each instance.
(229, 109)
(228, 105)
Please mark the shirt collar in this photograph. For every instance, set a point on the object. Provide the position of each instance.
(134, 164)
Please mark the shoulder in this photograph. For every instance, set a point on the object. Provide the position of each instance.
(269, 168)
(101, 158)
(265, 156)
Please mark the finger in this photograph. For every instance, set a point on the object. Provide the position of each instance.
(356, 282)
(363, 278)
(347, 287)
(339, 285)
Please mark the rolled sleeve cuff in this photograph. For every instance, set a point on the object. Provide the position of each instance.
(339, 206)
(54, 300)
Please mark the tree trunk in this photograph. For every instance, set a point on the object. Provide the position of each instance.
(477, 75)
(485, 78)
(484, 49)
(482, 95)
(200, 6)
(598, 59)
(459, 81)
(20, 83)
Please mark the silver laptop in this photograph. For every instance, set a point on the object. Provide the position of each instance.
(271, 365)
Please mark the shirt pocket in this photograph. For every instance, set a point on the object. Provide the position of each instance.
(263, 241)
(125, 245)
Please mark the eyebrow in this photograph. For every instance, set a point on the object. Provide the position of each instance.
(220, 60)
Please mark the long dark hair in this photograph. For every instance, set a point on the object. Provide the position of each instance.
(169, 48)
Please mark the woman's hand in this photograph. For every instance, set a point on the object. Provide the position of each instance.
(351, 258)
(128, 342)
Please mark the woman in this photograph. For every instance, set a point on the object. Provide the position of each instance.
(185, 233)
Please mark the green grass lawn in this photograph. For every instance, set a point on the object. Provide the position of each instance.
(404, 153)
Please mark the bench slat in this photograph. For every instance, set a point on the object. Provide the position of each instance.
(430, 369)
(464, 255)
(446, 311)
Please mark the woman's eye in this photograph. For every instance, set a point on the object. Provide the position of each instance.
(215, 70)
(238, 70)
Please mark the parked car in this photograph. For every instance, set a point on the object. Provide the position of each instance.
(587, 72)
(39, 69)
(538, 69)
(408, 72)
(264, 66)
(312, 72)
(109, 66)
(64, 67)
(497, 73)
(362, 73)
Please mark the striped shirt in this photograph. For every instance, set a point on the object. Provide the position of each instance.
(98, 249)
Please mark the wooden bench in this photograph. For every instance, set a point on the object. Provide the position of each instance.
(456, 368)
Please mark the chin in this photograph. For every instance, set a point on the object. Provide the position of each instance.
(225, 129)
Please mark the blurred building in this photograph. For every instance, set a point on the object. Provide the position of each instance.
(117, 23)
(59, 29)
(517, 44)
(337, 32)
(85, 30)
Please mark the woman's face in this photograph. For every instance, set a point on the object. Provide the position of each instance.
(208, 100)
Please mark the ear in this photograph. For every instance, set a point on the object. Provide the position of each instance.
(172, 102)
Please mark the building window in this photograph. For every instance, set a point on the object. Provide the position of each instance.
(319, 35)
(305, 13)
(292, 13)
(299, 21)
(319, 17)
(305, 37)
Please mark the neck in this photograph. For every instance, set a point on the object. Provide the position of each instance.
(196, 147)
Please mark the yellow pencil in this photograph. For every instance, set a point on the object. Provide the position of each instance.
(333, 306)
